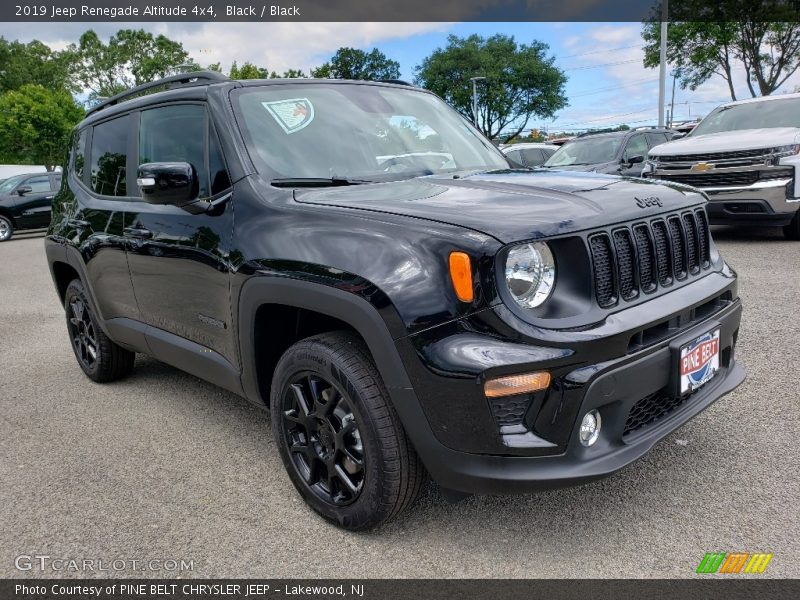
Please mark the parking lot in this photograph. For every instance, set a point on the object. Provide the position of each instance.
(165, 466)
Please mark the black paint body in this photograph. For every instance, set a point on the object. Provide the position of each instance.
(30, 209)
(222, 294)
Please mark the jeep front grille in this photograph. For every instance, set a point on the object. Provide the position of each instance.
(648, 255)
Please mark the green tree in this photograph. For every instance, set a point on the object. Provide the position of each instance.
(352, 63)
(247, 71)
(35, 125)
(33, 62)
(288, 74)
(131, 57)
(768, 50)
(521, 81)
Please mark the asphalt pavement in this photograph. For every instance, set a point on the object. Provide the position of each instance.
(165, 466)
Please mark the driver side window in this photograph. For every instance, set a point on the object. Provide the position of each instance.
(176, 133)
(637, 146)
(38, 184)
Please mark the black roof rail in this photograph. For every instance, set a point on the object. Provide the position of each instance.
(173, 81)
(395, 81)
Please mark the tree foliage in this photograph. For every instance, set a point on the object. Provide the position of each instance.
(768, 50)
(131, 57)
(35, 125)
(36, 63)
(352, 63)
(521, 81)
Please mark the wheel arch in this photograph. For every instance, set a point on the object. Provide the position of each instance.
(7, 214)
(294, 309)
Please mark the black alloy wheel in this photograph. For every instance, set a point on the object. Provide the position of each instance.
(322, 434)
(82, 333)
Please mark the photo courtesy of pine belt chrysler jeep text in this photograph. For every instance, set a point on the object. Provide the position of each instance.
(357, 258)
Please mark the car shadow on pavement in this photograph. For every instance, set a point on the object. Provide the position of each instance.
(748, 234)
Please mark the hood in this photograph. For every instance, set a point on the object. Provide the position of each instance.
(513, 205)
(602, 167)
(726, 141)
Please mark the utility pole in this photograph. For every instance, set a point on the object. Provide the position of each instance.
(662, 68)
(672, 102)
(474, 81)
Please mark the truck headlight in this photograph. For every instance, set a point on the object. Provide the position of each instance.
(530, 273)
(649, 167)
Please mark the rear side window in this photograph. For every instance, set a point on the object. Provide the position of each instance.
(532, 157)
(78, 158)
(109, 157)
(176, 134)
(38, 184)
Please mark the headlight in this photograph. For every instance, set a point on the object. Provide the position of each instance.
(649, 166)
(530, 274)
(790, 150)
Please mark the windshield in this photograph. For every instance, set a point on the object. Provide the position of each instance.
(752, 115)
(357, 132)
(9, 184)
(586, 151)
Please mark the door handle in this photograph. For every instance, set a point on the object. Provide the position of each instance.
(78, 223)
(134, 232)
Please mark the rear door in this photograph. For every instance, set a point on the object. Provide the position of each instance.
(100, 192)
(35, 198)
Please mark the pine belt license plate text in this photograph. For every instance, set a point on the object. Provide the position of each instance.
(699, 361)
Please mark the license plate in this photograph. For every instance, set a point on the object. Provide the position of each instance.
(699, 361)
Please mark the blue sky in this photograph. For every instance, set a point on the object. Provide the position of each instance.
(607, 83)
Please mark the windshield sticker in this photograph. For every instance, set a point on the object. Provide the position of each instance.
(292, 115)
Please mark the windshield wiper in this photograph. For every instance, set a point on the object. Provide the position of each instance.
(316, 181)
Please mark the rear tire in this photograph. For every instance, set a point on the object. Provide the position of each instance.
(792, 230)
(338, 435)
(6, 229)
(101, 359)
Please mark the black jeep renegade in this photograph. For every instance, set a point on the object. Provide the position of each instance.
(360, 260)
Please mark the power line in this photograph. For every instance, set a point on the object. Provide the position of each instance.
(612, 88)
(587, 67)
(600, 51)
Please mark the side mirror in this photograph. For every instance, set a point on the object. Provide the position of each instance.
(633, 160)
(173, 183)
(25, 189)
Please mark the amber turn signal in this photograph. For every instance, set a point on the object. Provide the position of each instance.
(461, 275)
(516, 384)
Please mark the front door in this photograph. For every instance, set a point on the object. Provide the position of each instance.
(35, 197)
(636, 146)
(179, 262)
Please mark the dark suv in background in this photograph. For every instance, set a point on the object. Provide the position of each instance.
(616, 153)
(25, 202)
(358, 258)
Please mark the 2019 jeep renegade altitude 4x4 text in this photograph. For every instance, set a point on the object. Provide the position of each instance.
(356, 257)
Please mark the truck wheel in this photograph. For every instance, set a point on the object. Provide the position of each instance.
(792, 230)
(101, 359)
(6, 229)
(338, 434)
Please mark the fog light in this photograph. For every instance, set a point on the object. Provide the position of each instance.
(590, 428)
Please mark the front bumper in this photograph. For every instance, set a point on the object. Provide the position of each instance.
(765, 202)
(612, 387)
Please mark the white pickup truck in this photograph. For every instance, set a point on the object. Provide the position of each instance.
(745, 156)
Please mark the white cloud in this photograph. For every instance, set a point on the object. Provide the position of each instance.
(276, 45)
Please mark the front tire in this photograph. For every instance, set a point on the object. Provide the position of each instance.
(6, 229)
(792, 230)
(338, 434)
(101, 359)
